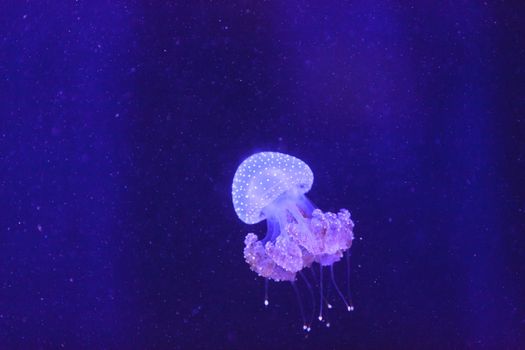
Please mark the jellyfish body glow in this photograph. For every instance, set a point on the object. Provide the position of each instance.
(271, 186)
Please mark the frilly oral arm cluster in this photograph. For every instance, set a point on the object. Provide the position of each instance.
(323, 239)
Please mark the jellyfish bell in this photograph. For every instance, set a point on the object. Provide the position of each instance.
(263, 178)
(271, 186)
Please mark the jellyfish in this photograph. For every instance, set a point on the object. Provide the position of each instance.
(271, 186)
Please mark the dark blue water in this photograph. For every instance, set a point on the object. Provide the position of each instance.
(122, 124)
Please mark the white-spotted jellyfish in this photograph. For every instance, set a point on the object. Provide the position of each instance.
(271, 186)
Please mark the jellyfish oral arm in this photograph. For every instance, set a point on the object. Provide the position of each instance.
(300, 241)
(260, 262)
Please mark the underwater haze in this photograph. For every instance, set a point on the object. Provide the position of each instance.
(122, 124)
